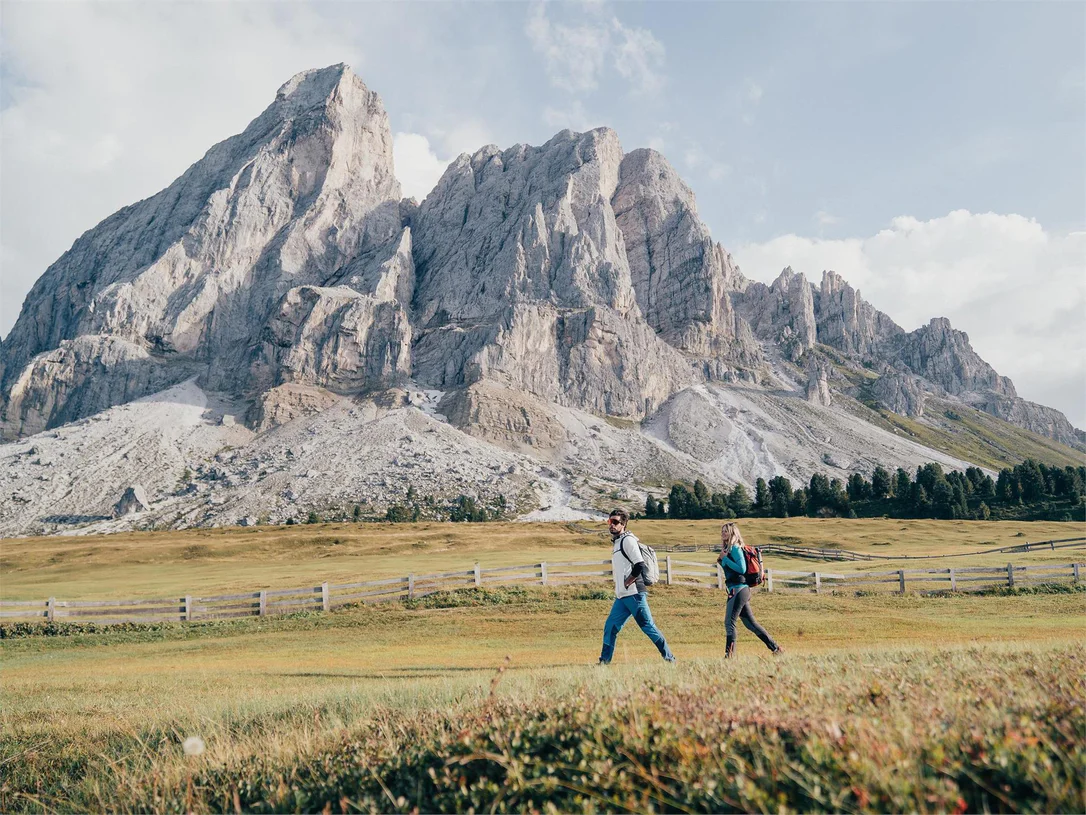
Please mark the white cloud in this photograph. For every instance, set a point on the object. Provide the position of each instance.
(107, 103)
(422, 159)
(1018, 291)
(754, 91)
(639, 57)
(417, 166)
(824, 218)
(576, 56)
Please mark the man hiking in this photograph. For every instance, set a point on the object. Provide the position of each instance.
(627, 565)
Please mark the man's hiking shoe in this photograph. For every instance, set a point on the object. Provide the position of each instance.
(778, 652)
(602, 664)
(670, 660)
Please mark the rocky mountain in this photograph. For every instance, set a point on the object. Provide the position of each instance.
(188, 281)
(534, 291)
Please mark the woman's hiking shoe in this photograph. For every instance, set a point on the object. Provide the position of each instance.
(778, 652)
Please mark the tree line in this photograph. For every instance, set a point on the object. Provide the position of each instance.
(1028, 491)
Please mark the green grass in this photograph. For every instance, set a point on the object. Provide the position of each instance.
(95, 721)
(976, 436)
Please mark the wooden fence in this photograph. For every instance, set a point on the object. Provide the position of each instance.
(927, 580)
(674, 572)
(324, 597)
(813, 553)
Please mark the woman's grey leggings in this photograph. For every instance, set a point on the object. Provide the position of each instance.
(739, 606)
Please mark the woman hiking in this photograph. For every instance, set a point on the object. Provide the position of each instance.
(735, 567)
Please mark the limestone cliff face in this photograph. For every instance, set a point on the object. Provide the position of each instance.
(523, 278)
(524, 225)
(944, 356)
(337, 338)
(284, 268)
(795, 316)
(189, 276)
(682, 279)
(1042, 420)
(902, 393)
(849, 323)
(782, 313)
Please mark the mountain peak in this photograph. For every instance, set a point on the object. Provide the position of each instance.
(313, 86)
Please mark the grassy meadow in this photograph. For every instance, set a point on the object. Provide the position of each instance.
(490, 699)
(205, 561)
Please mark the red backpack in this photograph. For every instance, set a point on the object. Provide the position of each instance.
(755, 573)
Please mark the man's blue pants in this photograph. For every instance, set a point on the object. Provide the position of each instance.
(636, 606)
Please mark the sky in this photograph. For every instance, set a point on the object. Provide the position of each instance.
(933, 154)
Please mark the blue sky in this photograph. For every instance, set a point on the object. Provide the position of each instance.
(932, 153)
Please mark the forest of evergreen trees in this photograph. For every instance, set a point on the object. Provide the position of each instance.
(1028, 491)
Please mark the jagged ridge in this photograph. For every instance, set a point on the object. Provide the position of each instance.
(571, 271)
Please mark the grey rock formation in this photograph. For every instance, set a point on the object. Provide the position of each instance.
(901, 392)
(944, 356)
(818, 386)
(133, 500)
(680, 277)
(304, 196)
(522, 278)
(1039, 419)
(510, 418)
(782, 313)
(336, 338)
(849, 323)
(80, 377)
(283, 271)
(284, 403)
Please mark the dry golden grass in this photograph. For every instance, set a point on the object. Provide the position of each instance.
(283, 687)
(206, 561)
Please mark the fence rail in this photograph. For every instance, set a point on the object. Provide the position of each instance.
(814, 553)
(674, 572)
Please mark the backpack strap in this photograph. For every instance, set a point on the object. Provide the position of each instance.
(621, 548)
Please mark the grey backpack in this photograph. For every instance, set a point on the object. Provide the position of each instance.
(650, 572)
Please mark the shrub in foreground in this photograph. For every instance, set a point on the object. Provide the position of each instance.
(907, 737)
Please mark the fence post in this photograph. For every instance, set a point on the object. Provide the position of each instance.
(411, 587)
(326, 597)
(51, 609)
(953, 580)
(543, 572)
(478, 576)
(1074, 569)
(668, 567)
(818, 582)
(719, 576)
(1010, 575)
(901, 580)
(188, 608)
(769, 580)
(263, 602)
